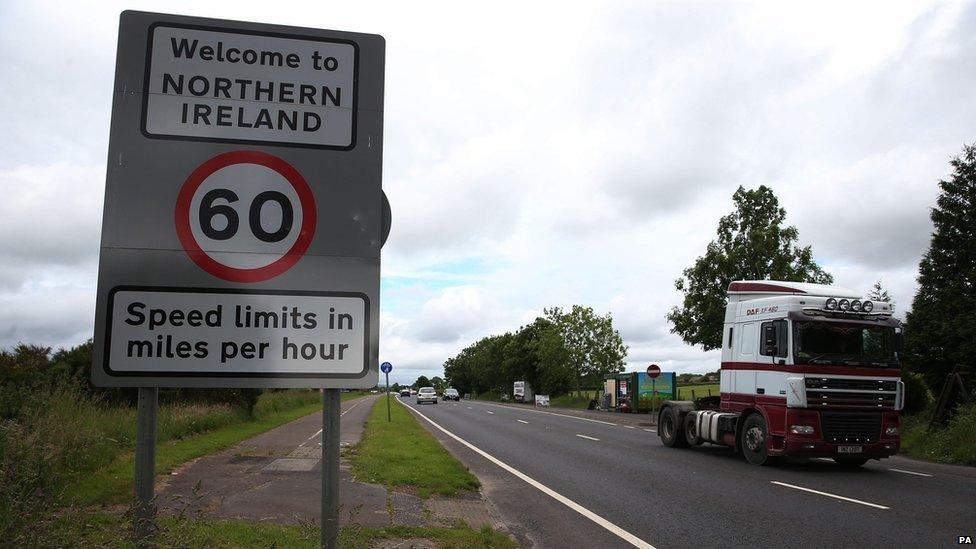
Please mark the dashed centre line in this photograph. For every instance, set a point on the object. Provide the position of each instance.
(489, 411)
(521, 421)
(910, 472)
(587, 438)
(829, 495)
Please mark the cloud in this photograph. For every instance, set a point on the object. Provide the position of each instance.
(576, 154)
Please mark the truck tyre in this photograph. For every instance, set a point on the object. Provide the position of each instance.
(691, 431)
(670, 429)
(850, 463)
(754, 436)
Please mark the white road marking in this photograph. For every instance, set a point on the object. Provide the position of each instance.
(587, 438)
(317, 433)
(650, 430)
(550, 413)
(489, 411)
(829, 495)
(910, 472)
(609, 526)
(629, 427)
(830, 460)
(469, 407)
(521, 421)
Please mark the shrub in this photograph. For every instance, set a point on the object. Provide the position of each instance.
(917, 394)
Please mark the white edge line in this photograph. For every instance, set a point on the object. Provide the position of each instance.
(835, 496)
(630, 427)
(611, 527)
(910, 472)
(587, 438)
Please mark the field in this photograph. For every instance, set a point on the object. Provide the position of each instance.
(685, 391)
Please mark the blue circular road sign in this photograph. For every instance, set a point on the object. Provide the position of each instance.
(386, 367)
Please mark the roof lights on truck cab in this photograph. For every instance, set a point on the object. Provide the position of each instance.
(848, 306)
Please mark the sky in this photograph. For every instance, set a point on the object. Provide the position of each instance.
(540, 154)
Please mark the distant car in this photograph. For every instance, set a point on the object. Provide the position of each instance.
(404, 392)
(451, 394)
(426, 394)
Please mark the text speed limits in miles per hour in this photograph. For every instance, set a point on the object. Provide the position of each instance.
(218, 333)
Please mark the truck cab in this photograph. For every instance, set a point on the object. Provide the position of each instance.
(807, 370)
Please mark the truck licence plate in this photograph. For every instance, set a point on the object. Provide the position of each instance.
(850, 449)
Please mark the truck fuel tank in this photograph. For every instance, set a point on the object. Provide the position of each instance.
(710, 426)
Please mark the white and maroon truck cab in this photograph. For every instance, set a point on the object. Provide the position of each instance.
(807, 370)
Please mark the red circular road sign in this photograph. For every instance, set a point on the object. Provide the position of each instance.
(653, 371)
(209, 195)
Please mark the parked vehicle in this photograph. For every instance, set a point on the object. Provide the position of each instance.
(451, 394)
(426, 394)
(807, 370)
(522, 392)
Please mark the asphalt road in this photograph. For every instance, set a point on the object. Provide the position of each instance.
(587, 474)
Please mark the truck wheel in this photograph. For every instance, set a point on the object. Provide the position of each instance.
(670, 429)
(850, 463)
(691, 431)
(754, 436)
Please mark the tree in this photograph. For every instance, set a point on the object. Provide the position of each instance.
(753, 244)
(939, 333)
(879, 293)
(422, 381)
(592, 347)
(437, 383)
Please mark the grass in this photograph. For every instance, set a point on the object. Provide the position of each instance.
(570, 401)
(954, 443)
(684, 391)
(113, 482)
(102, 529)
(403, 453)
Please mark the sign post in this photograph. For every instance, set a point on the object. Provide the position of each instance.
(243, 219)
(652, 372)
(386, 368)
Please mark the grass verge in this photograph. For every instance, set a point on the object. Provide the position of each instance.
(113, 482)
(954, 443)
(402, 453)
(101, 529)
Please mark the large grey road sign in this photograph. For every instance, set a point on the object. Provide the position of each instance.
(243, 213)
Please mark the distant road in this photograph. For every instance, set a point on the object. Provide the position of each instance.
(571, 482)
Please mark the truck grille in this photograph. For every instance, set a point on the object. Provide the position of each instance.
(850, 427)
(855, 384)
(828, 392)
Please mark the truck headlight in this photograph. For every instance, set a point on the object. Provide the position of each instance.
(801, 429)
(891, 431)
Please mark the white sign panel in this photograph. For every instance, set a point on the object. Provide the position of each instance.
(230, 333)
(239, 86)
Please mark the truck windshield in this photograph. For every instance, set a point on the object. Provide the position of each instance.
(827, 343)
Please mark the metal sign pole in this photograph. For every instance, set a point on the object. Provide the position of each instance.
(653, 395)
(388, 418)
(330, 469)
(145, 512)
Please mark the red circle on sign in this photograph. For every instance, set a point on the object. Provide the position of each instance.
(653, 371)
(235, 274)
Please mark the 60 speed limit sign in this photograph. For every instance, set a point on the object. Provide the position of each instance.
(242, 201)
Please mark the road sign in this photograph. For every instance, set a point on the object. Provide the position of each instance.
(244, 211)
(653, 371)
(386, 367)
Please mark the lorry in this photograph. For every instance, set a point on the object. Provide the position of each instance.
(808, 370)
(522, 392)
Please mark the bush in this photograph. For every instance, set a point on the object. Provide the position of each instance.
(917, 394)
(954, 443)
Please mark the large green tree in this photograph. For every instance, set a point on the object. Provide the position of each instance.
(940, 331)
(754, 243)
(593, 347)
(422, 381)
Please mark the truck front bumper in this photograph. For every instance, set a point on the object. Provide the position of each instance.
(817, 448)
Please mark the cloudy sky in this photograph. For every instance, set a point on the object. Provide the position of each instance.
(540, 155)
